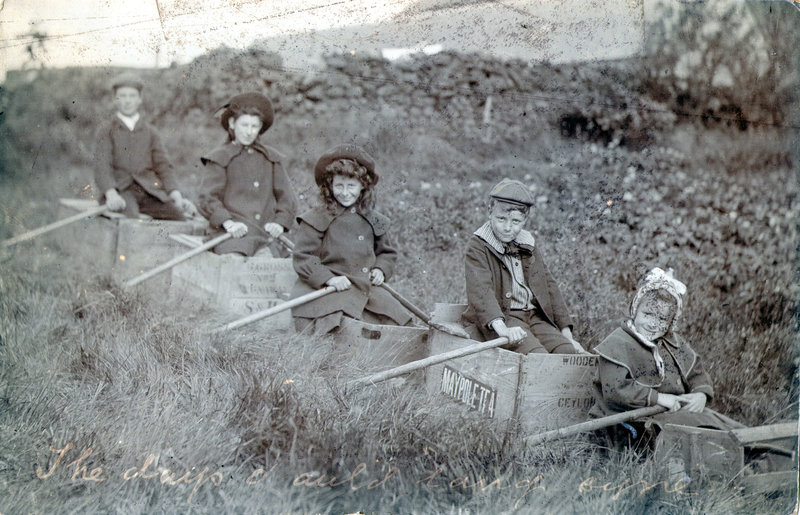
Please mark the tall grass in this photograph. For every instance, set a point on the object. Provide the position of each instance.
(171, 419)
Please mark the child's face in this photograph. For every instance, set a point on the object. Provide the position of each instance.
(653, 319)
(346, 190)
(506, 222)
(127, 100)
(245, 128)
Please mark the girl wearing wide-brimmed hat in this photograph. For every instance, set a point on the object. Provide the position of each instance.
(245, 189)
(344, 244)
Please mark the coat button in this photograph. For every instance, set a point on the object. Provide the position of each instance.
(352, 210)
(258, 216)
(365, 270)
(256, 184)
(360, 237)
(249, 150)
(155, 183)
(508, 294)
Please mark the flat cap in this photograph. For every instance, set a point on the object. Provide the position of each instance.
(129, 80)
(513, 192)
(347, 151)
(252, 100)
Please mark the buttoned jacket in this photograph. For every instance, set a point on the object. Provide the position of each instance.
(628, 377)
(350, 243)
(246, 184)
(489, 282)
(124, 156)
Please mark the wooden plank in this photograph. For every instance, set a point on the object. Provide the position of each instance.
(381, 346)
(544, 391)
(145, 244)
(120, 247)
(236, 285)
(769, 432)
(92, 242)
(492, 374)
(555, 390)
(699, 452)
(785, 480)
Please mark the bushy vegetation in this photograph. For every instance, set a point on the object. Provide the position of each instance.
(248, 422)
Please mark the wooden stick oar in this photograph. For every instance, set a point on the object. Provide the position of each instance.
(178, 259)
(455, 331)
(429, 361)
(308, 297)
(592, 425)
(286, 243)
(55, 225)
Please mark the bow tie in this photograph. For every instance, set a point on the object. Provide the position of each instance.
(512, 249)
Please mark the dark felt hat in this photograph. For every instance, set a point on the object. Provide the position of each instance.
(513, 192)
(347, 151)
(251, 100)
(129, 80)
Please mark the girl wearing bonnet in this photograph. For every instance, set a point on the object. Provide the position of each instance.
(644, 362)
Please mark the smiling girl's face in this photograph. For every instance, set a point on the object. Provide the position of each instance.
(346, 190)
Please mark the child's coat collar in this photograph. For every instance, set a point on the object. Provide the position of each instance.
(320, 218)
(523, 239)
(223, 155)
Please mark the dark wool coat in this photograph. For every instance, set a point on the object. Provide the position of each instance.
(627, 376)
(489, 285)
(249, 185)
(348, 243)
(123, 157)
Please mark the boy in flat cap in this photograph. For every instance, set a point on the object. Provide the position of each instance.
(344, 244)
(509, 290)
(132, 169)
(245, 190)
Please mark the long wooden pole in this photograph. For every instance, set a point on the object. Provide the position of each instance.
(286, 242)
(177, 259)
(592, 425)
(455, 330)
(429, 361)
(407, 304)
(55, 225)
(308, 297)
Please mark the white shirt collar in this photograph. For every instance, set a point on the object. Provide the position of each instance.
(129, 121)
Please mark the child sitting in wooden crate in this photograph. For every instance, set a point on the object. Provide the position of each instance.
(132, 169)
(644, 362)
(245, 189)
(344, 244)
(509, 290)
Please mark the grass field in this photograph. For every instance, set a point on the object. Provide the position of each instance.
(117, 401)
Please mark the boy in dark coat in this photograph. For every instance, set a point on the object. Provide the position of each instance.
(245, 189)
(509, 290)
(344, 244)
(132, 169)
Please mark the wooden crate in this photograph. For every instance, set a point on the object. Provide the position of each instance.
(235, 285)
(119, 246)
(542, 391)
(381, 346)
